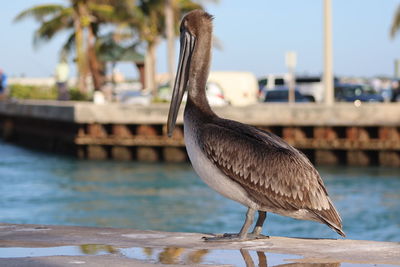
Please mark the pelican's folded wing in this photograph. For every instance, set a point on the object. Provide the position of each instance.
(272, 172)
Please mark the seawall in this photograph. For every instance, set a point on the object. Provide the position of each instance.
(340, 134)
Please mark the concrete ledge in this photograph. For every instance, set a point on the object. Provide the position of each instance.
(300, 114)
(297, 250)
(39, 109)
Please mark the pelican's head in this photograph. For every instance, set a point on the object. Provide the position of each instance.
(193, 25)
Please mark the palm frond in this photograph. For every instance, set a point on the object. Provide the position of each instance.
(101, 9)
(39, 12)
(50, 28)
(395, 23)
(69, 45)
(100, 13)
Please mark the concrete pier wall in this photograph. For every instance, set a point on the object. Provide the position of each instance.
(299, 114)
(48, 245)
(341, 134)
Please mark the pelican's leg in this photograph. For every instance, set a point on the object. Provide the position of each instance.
(262, 215)
(243, 232)
(262, 259)
(247, 258)
(247, 223)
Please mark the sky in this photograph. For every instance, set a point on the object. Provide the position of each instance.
(254, 34)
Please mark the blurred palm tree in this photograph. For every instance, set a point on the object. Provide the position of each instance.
(81, 18)
(139, 20)
(152, 26)
(395, 23)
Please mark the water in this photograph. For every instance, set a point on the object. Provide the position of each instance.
(174, 255)
(41, 188)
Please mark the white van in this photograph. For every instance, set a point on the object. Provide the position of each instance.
(239, 88)
(309, 86)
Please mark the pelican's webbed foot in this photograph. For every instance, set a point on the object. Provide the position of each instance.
(243, 235)
(228, 237)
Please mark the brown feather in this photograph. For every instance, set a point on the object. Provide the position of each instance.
(274, 174)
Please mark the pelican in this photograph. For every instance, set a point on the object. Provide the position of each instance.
(241, 162)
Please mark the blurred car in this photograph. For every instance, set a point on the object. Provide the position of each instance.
(282, 95)
(215, 95)
(134, 97)
(354, 92)
(387, 94)
(271, 82)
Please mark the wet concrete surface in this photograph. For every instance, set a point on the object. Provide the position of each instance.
(41, 245)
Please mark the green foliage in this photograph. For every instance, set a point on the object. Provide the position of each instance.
(32, 92)
(76, 95)
(20, 91)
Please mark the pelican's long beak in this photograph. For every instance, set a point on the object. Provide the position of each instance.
(181, 79)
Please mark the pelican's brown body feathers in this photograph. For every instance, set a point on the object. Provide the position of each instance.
(275, 175)
(253, 167)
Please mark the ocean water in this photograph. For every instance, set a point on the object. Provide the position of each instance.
(42, 188)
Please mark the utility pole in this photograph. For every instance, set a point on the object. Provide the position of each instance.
(291, 61)
(397, 68)
(170, 33)
(328, 57)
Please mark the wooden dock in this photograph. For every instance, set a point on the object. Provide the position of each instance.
(341, 134)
